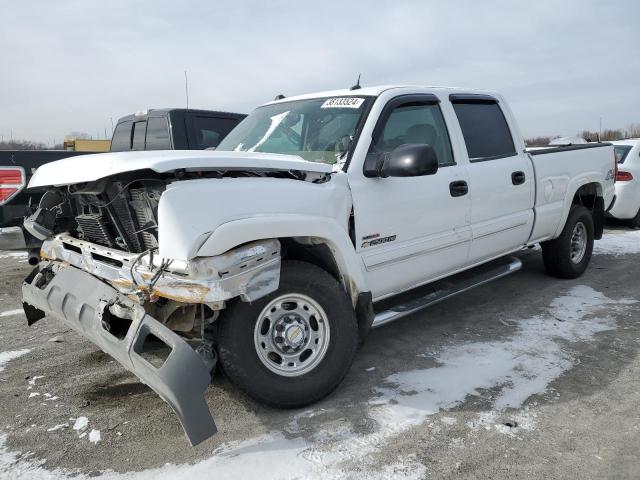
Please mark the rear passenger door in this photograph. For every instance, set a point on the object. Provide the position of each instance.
(500, 178)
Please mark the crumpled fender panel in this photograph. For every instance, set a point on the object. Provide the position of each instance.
(87, 305)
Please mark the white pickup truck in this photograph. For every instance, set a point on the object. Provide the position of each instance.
(318, 217)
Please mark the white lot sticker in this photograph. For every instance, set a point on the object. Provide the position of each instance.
(343, 102)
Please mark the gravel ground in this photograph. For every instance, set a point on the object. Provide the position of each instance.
(526, 377)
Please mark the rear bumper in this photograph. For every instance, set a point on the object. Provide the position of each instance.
(627, 200)
(12, 238)
(119, 327)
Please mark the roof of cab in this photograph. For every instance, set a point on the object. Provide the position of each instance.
(162, 112)
(377, 90)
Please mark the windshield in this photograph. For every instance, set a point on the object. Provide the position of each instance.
(318, 129)
(621, 152)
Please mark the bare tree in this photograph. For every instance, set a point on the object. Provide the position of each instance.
(78, 136)
(22, 145)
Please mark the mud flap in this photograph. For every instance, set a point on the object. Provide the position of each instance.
(120, 327)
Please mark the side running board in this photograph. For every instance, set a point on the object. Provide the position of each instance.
(407, 303)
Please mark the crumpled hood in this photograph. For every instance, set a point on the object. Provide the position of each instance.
(88, 168)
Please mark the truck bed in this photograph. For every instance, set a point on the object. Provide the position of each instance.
(555, 171)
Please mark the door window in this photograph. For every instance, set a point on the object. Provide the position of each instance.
(485, 130)
(416, 123)
(139, 129)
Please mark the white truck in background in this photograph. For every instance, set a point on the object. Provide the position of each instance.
(318, 217)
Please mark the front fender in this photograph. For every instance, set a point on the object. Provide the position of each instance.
(191, 210)
(316, 229)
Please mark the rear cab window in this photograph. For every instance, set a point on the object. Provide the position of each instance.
(484, 128)
(121, 139)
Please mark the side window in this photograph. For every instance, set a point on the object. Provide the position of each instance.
(138, 135)
(121, 140)
(416, 123)
(209, 131)
(158, 134)
(485, 130)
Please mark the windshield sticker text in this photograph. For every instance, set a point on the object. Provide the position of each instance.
(343, 102)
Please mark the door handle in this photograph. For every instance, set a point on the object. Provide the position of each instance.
(518, 178)
(458, 188)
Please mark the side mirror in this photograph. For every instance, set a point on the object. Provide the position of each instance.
(409, 160)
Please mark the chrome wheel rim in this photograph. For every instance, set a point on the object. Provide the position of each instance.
(291, 335)
(578, 242)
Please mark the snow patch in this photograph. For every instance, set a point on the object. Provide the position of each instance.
(94, 436)
(81, 423)
(10, 313)
(618, 243)
(518, 367)
(6, 357)
(449, 420)
(18, 255)
(58, 427)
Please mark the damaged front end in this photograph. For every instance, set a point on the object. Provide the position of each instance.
(103, 277)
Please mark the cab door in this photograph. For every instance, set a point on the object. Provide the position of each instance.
(501, 179)
(409, 230)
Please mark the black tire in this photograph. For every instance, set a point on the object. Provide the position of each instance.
(635, 221)
(242, 365)
(556, 253)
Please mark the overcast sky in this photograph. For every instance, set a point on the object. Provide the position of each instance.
(72, 65)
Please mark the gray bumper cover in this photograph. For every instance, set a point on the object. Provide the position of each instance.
(81, 301)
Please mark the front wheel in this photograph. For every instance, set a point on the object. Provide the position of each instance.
(568, 255)
(294, 346)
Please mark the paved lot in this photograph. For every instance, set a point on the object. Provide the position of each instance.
(525, 377)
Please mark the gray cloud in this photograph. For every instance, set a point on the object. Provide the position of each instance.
(72, 65)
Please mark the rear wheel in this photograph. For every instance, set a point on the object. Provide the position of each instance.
(294, 346)
(568, 255)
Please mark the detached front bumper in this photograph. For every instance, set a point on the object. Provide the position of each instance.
(120, 327)
(249, 272)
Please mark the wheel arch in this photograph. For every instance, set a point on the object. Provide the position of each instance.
(588, 193)
(316, 240)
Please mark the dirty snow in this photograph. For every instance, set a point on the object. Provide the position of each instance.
(9, 313)
(8, 356)
(7, 254)
(94, 436)
(58, 427)
(81, 423)
(519, 366)
(522, 364)
(618, 243)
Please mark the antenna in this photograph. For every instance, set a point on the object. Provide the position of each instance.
(357, 85)
(186, 87)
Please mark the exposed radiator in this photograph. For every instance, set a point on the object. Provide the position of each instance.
(94, 229)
